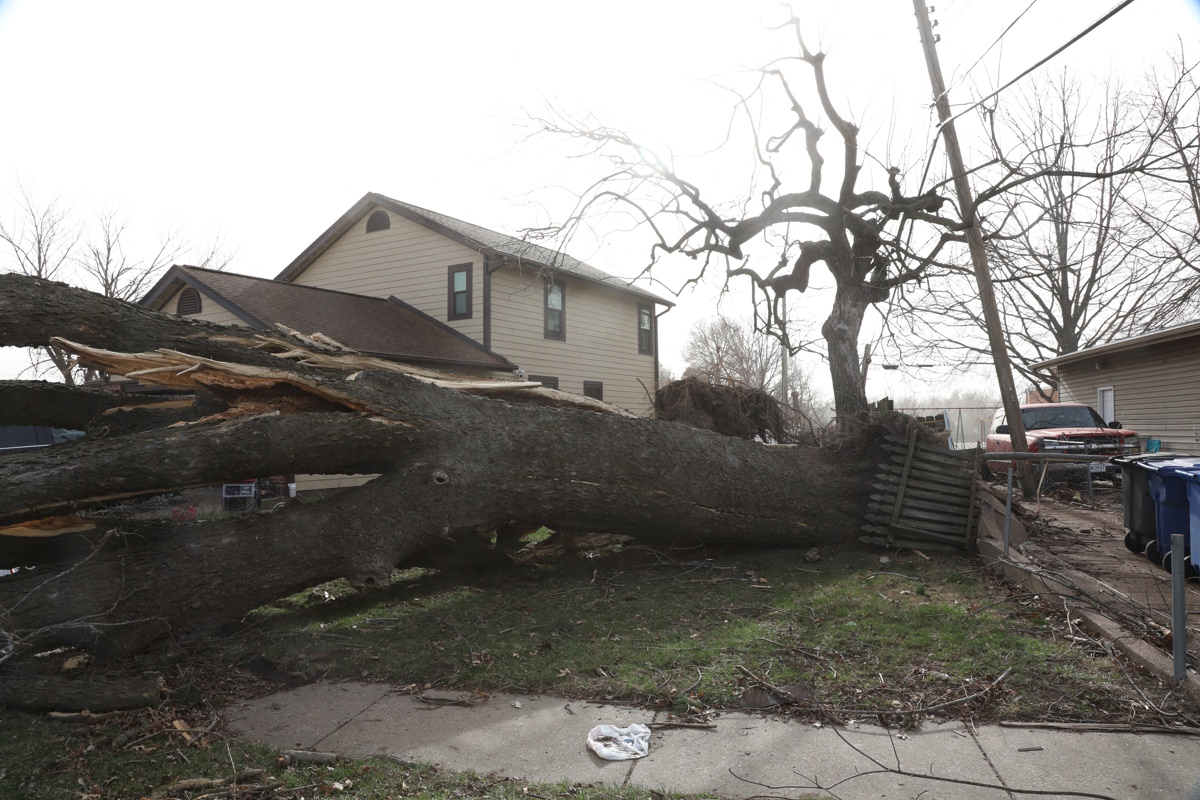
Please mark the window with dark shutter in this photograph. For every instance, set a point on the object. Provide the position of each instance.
(594, 389)
(458, 292)
(556, 310)
(378, 221)
(545, 380)
(189, 302)
(645, 330)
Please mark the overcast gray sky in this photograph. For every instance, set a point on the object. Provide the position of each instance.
(264, 121)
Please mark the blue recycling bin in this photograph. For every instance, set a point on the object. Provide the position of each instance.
(1190, 475)
(1169, 480)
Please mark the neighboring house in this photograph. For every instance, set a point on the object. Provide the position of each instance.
(386, 328)
(1150, 383)
(564, 322)
(400, 282)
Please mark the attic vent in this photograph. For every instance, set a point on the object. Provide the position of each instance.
(378, 221)
(189, 302)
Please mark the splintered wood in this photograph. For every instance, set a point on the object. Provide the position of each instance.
(182, 371)
(925, 497)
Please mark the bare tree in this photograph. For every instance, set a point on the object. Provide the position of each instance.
(46, 243)
(111, 270)
(859, 234)
(42, 240)
(1077, 258)
(727, 351)
(876, 244)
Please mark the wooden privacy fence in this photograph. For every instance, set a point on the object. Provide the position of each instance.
(924, 497)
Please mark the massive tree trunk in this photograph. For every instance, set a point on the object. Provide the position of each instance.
(840, 332)
(457, 458)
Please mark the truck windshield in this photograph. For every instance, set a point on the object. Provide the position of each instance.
(1061, 417)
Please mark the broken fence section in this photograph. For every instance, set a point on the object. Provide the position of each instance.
(924, 497)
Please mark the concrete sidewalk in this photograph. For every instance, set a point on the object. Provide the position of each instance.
(541, 738)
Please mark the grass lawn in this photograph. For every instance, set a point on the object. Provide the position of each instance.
(665, 630)
(670, 630)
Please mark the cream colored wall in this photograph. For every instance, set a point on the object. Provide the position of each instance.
(1156, 391)
(407, 260)
(601, 336)
(210, 310)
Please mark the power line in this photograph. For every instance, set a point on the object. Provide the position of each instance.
(1120, 6)
(992, 45)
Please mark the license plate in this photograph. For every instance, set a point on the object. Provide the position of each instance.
(1097, 466)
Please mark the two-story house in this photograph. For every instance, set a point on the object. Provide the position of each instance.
(562, 321)
(400, 282)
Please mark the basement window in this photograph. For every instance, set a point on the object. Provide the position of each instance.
(593, 389)
(188, 302)
(545, 380)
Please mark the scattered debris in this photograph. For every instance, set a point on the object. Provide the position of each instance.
(812, 556)
(191, 784)
(290, 757)
(619, 744)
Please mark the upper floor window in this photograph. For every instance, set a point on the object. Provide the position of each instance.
(556, 310)
(378, 221)
(458, 292)
(645, 330)
(188, 302)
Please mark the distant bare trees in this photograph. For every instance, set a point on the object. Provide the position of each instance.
(731, 352)
(44, 239)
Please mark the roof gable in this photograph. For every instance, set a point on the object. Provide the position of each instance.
(469, 235)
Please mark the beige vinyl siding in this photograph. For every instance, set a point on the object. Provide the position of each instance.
(407, 260)
(601, 336)
(210, 310)
(1156, 391)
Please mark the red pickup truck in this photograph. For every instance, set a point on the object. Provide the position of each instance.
(1065, 428)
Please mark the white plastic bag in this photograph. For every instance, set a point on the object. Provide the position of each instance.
(619, 744)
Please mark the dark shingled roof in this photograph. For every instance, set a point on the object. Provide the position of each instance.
(386, 328)
(468, 234)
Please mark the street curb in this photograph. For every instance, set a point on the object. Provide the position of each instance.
(1019, 569)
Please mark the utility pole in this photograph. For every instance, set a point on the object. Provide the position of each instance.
(983, 276)
(783, 352)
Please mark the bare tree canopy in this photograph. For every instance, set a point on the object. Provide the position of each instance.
(456, 460)
(1080, 242)
(46, 240)
(876, 238)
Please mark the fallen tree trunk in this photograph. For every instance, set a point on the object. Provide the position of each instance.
(453, 465)
(79, 693)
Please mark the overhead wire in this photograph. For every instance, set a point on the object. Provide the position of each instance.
(983, 55)
(938, 130)
(1116, 9)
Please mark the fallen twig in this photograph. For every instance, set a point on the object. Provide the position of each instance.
(1103, 727)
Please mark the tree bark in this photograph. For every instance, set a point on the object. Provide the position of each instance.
(840, 332)
(453, 465)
